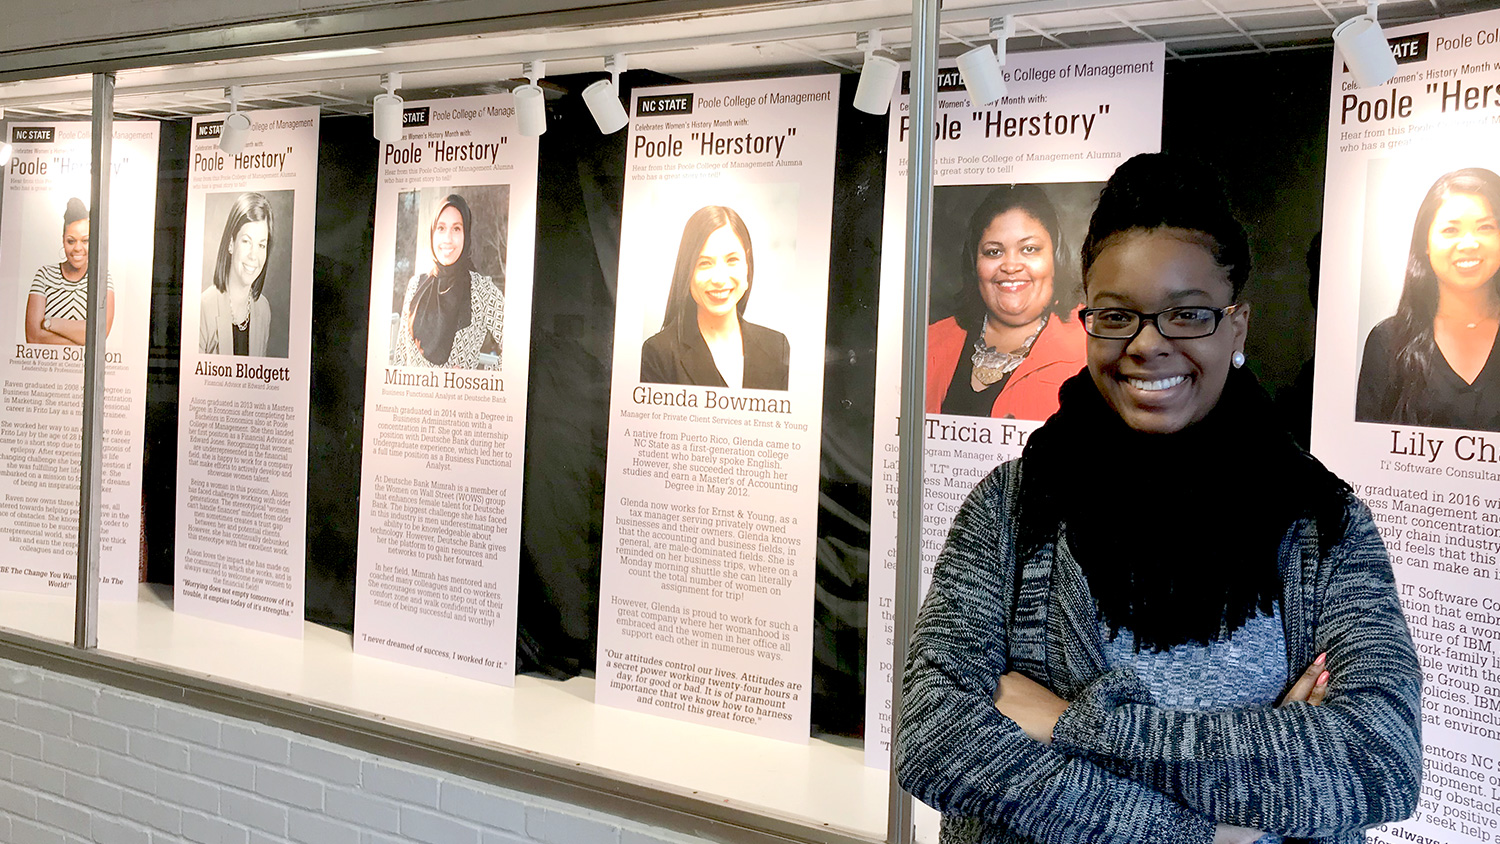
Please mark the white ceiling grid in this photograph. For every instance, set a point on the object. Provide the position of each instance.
(794, 37)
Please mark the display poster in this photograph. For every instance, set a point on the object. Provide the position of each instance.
(245, 365)
(44, 252)
(711, 491)
(445, 390)
(1014, 184)
(1406, 398)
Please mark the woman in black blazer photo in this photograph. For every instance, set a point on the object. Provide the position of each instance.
(704, 339)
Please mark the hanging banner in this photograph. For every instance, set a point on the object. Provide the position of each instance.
(1014, 185)
(1406, 398)
(44, 253)
(711, 496)
(445, 393)
(246, 360)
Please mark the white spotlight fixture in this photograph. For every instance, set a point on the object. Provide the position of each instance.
(603, 98)
(236, 129)
(388, 108)
(877, 78)
(980, 67)
(531, 103)
(1365, 49)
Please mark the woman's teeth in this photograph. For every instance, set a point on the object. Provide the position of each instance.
(1159, 384)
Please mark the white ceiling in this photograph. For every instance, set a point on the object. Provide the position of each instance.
(797, 36)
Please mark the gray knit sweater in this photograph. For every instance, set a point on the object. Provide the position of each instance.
(1120, 768)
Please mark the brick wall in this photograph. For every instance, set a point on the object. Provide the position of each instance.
(85, 762)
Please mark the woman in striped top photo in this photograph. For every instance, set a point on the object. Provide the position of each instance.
(57, 304)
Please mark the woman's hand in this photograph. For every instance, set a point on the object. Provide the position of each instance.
(1312, 687)
(1031, 705)
(1226, 834)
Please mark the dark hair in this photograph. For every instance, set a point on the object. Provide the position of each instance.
(1031, 199)
(1417, 308)
(247, 208)
(1157, 190)
(704, 222)
(75, 211)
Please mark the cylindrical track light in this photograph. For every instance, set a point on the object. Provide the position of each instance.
(531, 103)
(877, 78)
(236, 129)
(982, 76)
(980, 67)
(603, 98)
(388, 110)
(531, 109)
(1362, 43)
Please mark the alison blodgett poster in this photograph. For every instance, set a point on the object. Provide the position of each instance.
(44, 253)
(1406, 392)
(711, 493)
(245, 364)
(1014, 185)
(445, 392)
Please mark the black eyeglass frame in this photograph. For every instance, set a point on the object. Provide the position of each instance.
(1153, 318)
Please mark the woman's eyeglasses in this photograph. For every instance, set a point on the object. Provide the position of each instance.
(1184, 323)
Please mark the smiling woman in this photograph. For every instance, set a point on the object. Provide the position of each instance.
(57, 303)
(705, 340)
(234, 318)
(1434, 362)
(454, 313)
(1112, 648)
(1011, 341)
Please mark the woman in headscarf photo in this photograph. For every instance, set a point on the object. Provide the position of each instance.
(453, 313)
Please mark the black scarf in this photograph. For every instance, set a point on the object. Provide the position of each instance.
(1176, 533)
(442, 303)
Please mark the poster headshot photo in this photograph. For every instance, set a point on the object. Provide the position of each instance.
(448, 290)
(1429, 305)
(245, 303)
(1003, 330)
(715, 307)
(54, 262)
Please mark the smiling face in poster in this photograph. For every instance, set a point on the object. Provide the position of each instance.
(244, 308)
(1430, 362)
(247, 253)
(720, 276)
(1463, 246)
(1005, 285)
(1015, 265)
(448, 296)
(76, 245)
(704, 338)
(448, 236)
(56, 308)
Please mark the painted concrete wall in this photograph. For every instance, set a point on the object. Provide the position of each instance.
(84, 762)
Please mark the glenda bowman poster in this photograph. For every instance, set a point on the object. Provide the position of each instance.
(711, 495)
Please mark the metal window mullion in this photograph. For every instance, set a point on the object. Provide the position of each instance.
(91, 459)
(923, 106)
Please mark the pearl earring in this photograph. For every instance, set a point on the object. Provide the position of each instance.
(1238, 359)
